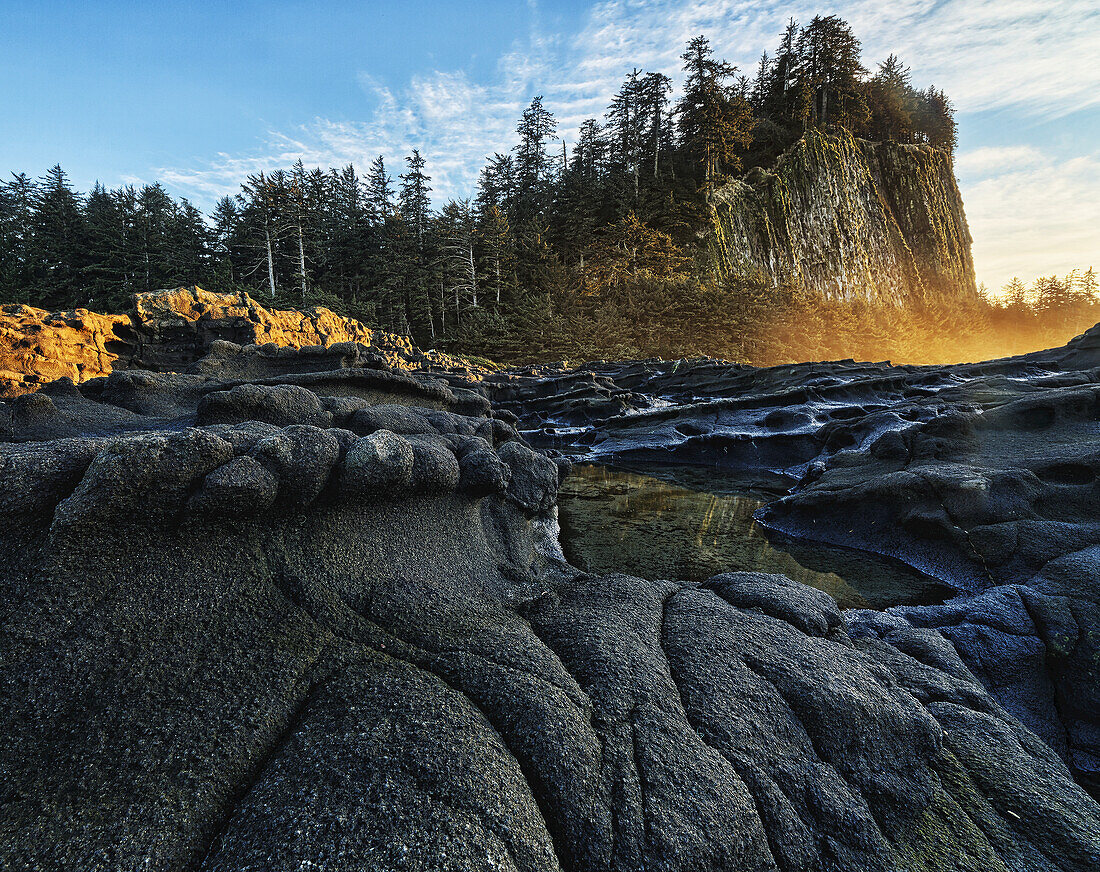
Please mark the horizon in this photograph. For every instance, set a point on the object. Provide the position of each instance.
(213, 105)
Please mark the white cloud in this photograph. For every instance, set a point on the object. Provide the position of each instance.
(1032, 58)
(990, 160)
(1039, 218)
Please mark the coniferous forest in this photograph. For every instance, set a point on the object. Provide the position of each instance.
(564, 252)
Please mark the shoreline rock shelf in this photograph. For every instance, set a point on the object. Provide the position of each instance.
(296, 608)
(986, 476)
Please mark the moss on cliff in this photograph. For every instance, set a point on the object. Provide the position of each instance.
(848, 218)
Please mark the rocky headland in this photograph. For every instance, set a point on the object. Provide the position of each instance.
(848, 218)
(287, 608)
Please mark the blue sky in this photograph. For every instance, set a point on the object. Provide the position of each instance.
(198, 94)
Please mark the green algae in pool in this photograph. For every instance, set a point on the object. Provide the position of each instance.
(613, 520)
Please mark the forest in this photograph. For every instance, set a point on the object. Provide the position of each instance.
(562, 253)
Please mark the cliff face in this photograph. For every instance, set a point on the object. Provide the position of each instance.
(848, 218)
(166, 331)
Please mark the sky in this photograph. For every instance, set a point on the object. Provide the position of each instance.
(199, 94)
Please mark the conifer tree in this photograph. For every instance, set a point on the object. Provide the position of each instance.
(893, 102)
(829, 72)
(415, 206)
(714, 123)
(57, 240)
(226, 219)
(17, 204)
(379, 190)
(106, 279)
(262, 212)
(536, 129)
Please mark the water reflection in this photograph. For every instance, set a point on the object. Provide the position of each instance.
(613, 520)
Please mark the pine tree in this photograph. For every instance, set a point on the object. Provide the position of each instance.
(655, 89)
(457, 260)
(714, 123)
(1089, 286)
(57, 241)
(302, 223)
(227, 220)
(105, 277)
(17, 203)
(627, 128)
(497, 250)
(934, 120)
(1015, 293)
(829, 73)
(414, 199)
(186, 255)
(415, 206)
(893, 102)
(536, 129)
(379, 187)
(497, 184)
(261, 205)
(154, 215)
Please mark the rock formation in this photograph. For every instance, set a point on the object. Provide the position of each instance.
(38, 346)
(167, 331)
(295, 609)
(848, 218)
(985, 476)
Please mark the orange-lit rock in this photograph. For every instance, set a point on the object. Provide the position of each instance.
(37, 346)
(167, 331)
(177, 327)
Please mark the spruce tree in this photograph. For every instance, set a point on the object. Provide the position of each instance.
(17, 203)
(106, 276)
(379, 189)
(57, 242)
(714, 123)
(415, 206)
(536, 129)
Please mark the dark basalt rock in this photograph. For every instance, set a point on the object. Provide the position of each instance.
(983, 475)
(289, 644)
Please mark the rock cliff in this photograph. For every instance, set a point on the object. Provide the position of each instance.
(848, 218)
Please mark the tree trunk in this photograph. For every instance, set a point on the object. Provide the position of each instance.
(301, 259)
(473, 272)
(270, 261)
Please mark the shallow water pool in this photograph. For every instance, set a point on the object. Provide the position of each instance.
(684, 523)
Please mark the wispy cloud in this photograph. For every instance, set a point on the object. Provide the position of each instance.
(1035, 218)
(1035, 58)
(1036, 55)
(991, 160)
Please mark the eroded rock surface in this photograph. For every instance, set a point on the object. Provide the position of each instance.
(37, 346)
(171, 330)
(986, 476)
(271, 616)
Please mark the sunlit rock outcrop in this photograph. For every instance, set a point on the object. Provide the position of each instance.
(37, 346)
(169, 331)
